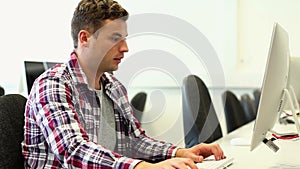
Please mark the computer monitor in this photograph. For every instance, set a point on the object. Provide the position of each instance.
(274, 83)
(34, 69)
(294, 79)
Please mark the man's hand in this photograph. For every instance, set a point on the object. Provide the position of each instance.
(201, 151)
(173, 163)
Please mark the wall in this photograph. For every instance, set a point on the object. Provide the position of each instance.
(255, 24)
(40, 30)
(186, 38)
(191, 37)
(239, 31)
(32, 30)
(235, 33)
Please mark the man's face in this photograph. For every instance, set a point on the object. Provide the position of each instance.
(108, 45)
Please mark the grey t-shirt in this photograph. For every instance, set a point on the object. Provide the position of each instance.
(107, 132)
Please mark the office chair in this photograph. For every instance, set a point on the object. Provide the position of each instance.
(249, 107)
(138, 104)
(256, 94)
(200, 120)
(2, 92)
(12, 108)
(234, 113)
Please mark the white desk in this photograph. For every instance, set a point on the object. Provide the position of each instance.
(262, 157)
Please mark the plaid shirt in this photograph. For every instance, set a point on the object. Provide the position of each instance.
(62, 124)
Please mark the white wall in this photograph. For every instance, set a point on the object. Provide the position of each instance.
(255, 24)
(216, 20)
(238, 30)
(40, 30)
(32, 30)
(209, 18)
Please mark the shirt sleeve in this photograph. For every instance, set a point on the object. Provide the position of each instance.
(142, 146)
(58, 121)
(150, 149)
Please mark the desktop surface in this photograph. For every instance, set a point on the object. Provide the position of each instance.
(262, 157)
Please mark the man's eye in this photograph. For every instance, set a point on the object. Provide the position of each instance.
(115, 39)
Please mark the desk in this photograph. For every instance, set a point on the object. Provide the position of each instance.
(262, 157)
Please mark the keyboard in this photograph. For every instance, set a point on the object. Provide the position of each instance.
(211, 163)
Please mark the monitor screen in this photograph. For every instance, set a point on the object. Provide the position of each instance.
(34, 69)
(274, 82)
(294, 72)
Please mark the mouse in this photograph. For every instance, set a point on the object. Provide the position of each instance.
(239, 141)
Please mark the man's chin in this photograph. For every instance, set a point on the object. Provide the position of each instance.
(115, 68)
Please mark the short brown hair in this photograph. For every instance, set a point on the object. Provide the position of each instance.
(89, 15)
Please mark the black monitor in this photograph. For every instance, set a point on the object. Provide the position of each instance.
(34, 69)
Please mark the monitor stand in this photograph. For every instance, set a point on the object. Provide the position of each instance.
(290, 97)
(293, 101)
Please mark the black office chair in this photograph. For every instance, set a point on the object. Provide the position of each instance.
(234, 113)
(256, 94)
(2, 92)
(12, 108)
(138, 104)
(200, 120)
(249, 107)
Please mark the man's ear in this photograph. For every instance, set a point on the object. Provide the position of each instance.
(83, 37)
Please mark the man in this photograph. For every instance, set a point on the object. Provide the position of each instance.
(78, 115)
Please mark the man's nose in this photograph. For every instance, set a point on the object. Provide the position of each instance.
(124, 47)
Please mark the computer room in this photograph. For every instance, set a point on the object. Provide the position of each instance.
(226, 43)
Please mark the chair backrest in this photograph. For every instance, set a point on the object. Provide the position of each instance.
(249, 107)
(234, 113)
(256, 94)
(200, 120)
(12, 108)
(2, 92)
(138, 103)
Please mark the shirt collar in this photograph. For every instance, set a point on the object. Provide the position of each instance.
(76, 71)
(79, 76)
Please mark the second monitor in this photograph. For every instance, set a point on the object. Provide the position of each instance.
(32, 70)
